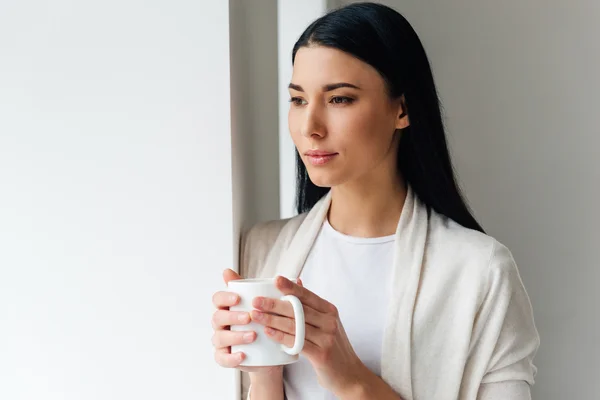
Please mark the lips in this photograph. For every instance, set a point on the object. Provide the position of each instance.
(319, 153)
(320, 157)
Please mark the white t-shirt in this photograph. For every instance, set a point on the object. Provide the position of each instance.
(354, 274)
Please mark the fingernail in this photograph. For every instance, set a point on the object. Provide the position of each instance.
(259, 302)
(285, 283)
(248, 337)
(243, 317)
(233, 298)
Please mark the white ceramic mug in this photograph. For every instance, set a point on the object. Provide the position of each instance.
(265, 351)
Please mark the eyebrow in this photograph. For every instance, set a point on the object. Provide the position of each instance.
(326, 88)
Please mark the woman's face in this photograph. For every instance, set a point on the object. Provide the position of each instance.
(341, 118)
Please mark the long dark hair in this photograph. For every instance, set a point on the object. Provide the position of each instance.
(381, 37)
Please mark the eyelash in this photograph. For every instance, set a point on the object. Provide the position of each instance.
(345, 100)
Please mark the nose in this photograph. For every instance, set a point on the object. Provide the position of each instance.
(312, 124)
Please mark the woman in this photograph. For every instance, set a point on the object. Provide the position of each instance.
(405, 296)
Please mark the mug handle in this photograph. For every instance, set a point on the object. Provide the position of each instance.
(299, 317)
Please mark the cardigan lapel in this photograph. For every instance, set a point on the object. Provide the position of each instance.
(411, 237)
(291, 263)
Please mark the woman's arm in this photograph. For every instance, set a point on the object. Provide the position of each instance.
(513, 390)
(505, 335)
(371, 387)
(266, 386)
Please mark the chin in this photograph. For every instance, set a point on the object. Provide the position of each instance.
(323, 179)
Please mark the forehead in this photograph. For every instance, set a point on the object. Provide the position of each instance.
(316, 66)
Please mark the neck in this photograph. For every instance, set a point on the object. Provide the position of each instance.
(367, 209)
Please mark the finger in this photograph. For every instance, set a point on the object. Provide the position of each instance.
(230, 338)
(284, 308)
(304, 295)
(224, 300)
(223, 318)
(273, 306)
(286, 325)
(288, 340)
(230, 275)
(224, 359)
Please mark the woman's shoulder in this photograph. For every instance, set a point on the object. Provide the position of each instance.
(259, 240)
(266, 232)
(473, 252)
(478, 274)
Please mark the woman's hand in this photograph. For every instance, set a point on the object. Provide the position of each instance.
(326, 345)
(224, 338)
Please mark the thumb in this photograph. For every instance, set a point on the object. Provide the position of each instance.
(230, 275)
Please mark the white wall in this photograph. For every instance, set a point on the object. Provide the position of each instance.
(115, 198)
(519, 82)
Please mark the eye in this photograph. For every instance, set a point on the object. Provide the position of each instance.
(297, 101)
(341, 100)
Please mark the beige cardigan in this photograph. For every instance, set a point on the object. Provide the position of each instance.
(459, 317)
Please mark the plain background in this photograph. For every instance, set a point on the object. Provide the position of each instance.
(138, 138)
(116, 214)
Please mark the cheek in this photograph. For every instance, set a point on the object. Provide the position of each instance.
(364, 134)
